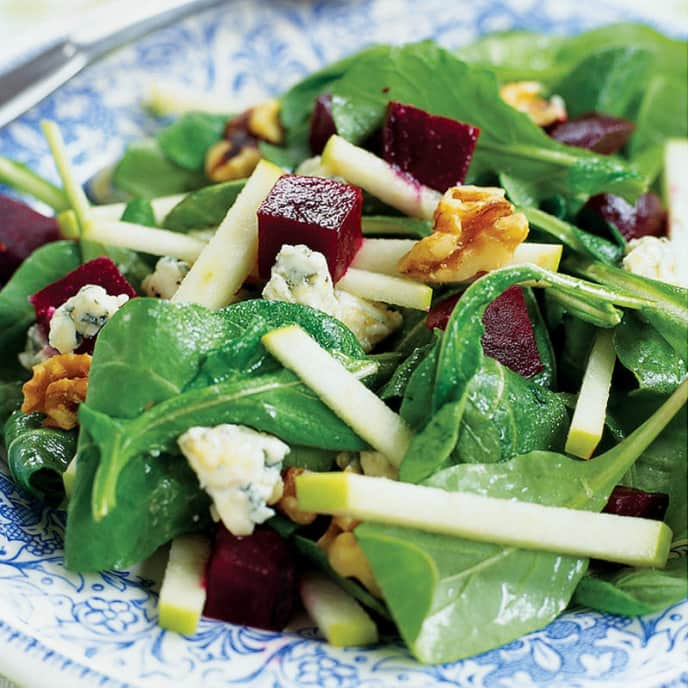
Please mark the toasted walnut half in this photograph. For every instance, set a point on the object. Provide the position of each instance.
(525, 97)
(476, 230)
(57, 388)
(288, 505)
(237, 155)
(226, 160)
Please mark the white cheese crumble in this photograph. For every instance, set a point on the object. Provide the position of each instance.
(655, 258)
(240, 469)
(300, 275)
(37, 348)
(82, 316)
(165, 280)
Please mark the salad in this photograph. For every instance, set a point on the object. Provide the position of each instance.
(405, 346)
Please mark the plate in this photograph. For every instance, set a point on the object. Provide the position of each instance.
(58, 628)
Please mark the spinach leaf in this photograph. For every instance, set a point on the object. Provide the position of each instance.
(631, 592)
(297, 103)
(158, 498)
(37, 456)
(140, 212)
(573, 237)
(416, 405)
(511, 591)
(310, 458)
(662, 115)
(461, 351)
(606, 81)
(43, 266)
(186, 141)
(204, 208)
(665, 305)
(278, 404)
(166, 355)
(506, 415)
(396, 385)
(144, 171)
(431, 78)
(662, 466)
(517, 56)
(500, 415)
(654, 363)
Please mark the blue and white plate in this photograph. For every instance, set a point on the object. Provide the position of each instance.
(59, 628)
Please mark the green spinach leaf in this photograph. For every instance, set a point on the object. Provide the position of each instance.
(158, 498)
(37, 456)
(431, 78)
(511, 591)
(655, 364)
(631, 592)
(204, 208)
(606, 81)
(186, 141)
(144, 171)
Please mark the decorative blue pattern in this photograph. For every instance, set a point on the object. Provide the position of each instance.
(101, 629)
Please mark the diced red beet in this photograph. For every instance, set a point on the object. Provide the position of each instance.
(629, 501)
(440, 313)
(434, 150)
(322, 124)
(22, 231)
(323, 214)
(599, 133)
(251, 580)
(509, 336)
(101, 271)
(646, 218)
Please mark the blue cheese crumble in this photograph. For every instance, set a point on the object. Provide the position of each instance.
(239, 468)
(37, 349)
(164, 281)
(655, 258)
(82, 316)
(300, 275)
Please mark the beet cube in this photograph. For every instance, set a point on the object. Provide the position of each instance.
(646, 218)
(101, 271)
(439, 314)
(323, 214)
(434, 150)
(22, 231)
(509, 336)
(322, 124)
(629, 501)
(599, 133)
(251, 580)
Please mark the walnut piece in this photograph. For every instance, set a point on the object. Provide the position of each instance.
(525, 97)
(57, 388)
(224, 161)
(288, 504)
(237, 155)
(476, 230)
